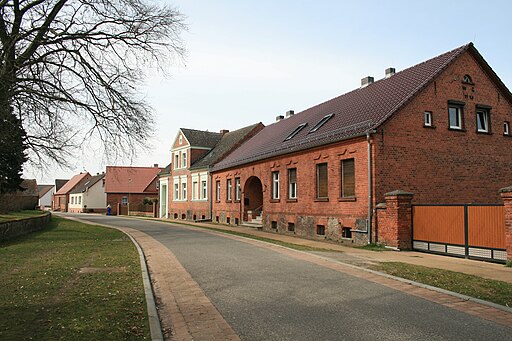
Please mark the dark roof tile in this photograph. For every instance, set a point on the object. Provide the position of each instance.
(200, 138)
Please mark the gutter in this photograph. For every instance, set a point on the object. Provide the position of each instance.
(370, 189)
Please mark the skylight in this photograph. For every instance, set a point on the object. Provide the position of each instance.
(321, 123)
(295, 131)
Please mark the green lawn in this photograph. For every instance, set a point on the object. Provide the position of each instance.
(486, 289)
(71, 281)
(19, 215)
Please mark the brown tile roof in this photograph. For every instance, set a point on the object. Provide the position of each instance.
(200, 138)
(43, 189)
(355, 112)
(83, 185)
(72, 183)
(227, 143)
(119, 179)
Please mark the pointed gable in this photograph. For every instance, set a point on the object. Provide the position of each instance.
(120, 179)
(72, 183)
(352, 114)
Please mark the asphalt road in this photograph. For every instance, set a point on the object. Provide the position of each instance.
(266, 295)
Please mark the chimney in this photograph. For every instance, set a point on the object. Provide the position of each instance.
(290, 113)
(155, 165)
(366, 81)
(224, 131)
(279, 118)
(390, 72)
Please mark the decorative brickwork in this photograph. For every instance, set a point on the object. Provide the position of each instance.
(394, 222)
(506, 195)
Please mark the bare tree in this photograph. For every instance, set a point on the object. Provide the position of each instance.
(70, 71)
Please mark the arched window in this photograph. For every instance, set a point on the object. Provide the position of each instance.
(467, 79)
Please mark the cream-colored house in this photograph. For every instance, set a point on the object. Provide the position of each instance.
(90, 196)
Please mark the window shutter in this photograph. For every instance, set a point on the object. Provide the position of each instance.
(349, 180)
(322, 191)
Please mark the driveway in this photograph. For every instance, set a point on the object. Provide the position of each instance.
(265, 292)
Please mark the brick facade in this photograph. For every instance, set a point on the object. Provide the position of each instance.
(394, 220)
(136, 200)
(506, 195)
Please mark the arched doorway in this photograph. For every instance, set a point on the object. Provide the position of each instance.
(253, 197)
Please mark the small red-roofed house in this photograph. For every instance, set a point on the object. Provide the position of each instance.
(61, 197)
(127, 187)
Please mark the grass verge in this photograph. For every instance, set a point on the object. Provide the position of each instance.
(19, 215)
(373, 247)
(486, 289)
(72, 281)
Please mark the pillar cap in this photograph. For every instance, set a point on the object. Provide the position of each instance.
(506, 189)
(398, 192)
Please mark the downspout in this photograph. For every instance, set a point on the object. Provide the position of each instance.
(369, 219)
(210, 198)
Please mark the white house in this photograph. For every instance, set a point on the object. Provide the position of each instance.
(90, 196)
(45, 196)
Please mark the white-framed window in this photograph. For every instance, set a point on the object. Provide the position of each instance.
(183, 191)
(275, 185)
(79, 200)
(176, 191)
(124, 201)
(195, 190)
(184, 159)
(427, 116)
(229, 189)
(217, 190)
(482, 120)
(455, 116)
(238, 189)
(72, 200)
(292, 183)
(506, 128)
(176, 161)
(204, 190)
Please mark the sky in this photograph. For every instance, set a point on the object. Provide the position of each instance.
(249, 61)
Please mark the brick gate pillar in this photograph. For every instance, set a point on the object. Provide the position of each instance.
(506, 195)
(395, 229)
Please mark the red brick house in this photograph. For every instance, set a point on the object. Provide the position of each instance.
(187, 181)
(440, 130)
(127, 187)
(61, 197)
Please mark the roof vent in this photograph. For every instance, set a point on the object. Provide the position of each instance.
(279, 118)
(224, 131)
(366, 81)
(155, 165)
(290, 113)
(390, 71)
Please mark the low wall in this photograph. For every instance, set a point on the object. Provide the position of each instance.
(16, 228)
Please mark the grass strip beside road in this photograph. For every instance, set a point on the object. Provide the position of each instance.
(485, 289)
(72, 281)
(20, 215)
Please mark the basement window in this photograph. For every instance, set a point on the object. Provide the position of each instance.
(346, 232)
(291, 227)
(321, 123)
(320, 230)
(295, 131)
(274, 225)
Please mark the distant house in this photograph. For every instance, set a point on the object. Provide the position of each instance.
(26, 198)
(89, 196)
(187, 185)
(45, 196)
(61, 196)
(127, 187)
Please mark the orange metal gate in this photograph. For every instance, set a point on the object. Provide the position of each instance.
(471, 231)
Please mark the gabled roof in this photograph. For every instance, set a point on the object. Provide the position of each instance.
(84, 185)
(200, 138)
(228, 142)
(354, 113)
(59, 183)
(72, 183)
(28, 188)
(43, 189)
(119, 179)
(166, 171)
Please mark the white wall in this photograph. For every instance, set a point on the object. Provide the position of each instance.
(95, 196)
(46, 200)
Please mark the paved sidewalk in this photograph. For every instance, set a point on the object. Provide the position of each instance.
(364, 258)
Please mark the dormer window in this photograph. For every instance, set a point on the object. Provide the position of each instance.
(467, 79)
(321, 123)
(295, 131)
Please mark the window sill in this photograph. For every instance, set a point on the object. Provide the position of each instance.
(291, 200)
(457, 129)
(217, 201)
(229, 201)
(507, 135)
(321, 199)
(429, 127)
(484, 132)
(275, 200)
(351, 199)
(236, 200)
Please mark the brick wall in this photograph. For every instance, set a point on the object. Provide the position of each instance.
(440, 165)
(306, 212)
(136, 200)
(506, 195)
(394, 220)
